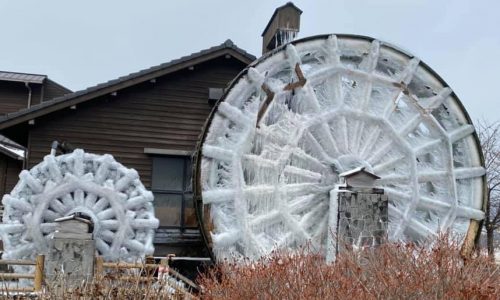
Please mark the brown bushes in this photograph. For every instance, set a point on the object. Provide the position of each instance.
(111, 285)
(391, 271)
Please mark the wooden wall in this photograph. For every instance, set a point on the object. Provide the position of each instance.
(168, 114)
(285, 17)
(14, 95)
(9, 173)
(53, 90)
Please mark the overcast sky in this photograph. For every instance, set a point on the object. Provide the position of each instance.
(80, 44)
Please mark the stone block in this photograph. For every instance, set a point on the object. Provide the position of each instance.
(71, 259)
(363, 219)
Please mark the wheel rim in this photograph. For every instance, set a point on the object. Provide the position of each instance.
(97, 186)
(334, 103)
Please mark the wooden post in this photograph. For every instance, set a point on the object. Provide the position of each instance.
(150, 260)
(39, 266)
(468, 245)
(99, 268)
(163, 269)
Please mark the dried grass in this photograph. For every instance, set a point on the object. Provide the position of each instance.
(112, 285)
(391, 271)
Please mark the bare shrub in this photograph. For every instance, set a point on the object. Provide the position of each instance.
(390, 271)
(115, 284)
(489, 136)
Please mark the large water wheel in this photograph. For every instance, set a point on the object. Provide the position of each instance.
(292, 121)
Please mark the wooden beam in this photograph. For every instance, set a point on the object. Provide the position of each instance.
(167, 152)
(39, 270)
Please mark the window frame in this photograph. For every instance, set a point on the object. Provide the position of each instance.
(187, 163)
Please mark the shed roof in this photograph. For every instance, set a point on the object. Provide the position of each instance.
(357, 171)
(73, 217)
(46, 107)
(22, 77)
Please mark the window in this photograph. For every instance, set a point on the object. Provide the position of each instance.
(173, 192)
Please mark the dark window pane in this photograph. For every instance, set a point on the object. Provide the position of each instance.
(168, 173)
(189, 212)
(189, 173)
(168, 209)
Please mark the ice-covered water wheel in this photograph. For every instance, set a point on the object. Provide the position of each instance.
(97, 186)
(291, 122)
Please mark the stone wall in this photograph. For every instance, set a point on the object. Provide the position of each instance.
(71, 259)
(362, 219)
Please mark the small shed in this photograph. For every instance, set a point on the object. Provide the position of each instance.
(359, 177)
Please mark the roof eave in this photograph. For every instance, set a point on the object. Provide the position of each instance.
(10, 154)
(118, 84)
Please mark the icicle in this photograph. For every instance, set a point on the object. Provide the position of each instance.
(338, 103)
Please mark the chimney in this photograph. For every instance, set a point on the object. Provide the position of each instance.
(282, 28)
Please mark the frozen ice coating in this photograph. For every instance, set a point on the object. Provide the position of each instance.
(95, 185)
(321, 106)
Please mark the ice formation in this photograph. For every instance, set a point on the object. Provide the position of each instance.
(324, 105)
(95, 185)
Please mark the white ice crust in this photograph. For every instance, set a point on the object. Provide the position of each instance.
(364, 104)
(95, 185)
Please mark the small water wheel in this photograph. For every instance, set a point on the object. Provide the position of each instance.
(96, 186)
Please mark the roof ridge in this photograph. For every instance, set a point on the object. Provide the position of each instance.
(23, 73)
(107, 84)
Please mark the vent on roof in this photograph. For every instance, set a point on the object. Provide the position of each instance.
(214, 94)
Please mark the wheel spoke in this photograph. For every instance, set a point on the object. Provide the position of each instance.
(335, 104)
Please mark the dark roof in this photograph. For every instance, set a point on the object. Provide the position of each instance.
(276, 11)
(22, 77)
(43, 108)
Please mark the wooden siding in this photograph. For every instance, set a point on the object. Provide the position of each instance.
(168, 114)
(9, 173)
(52, 89)
(14, 167)
(286, 16)
(14, 95)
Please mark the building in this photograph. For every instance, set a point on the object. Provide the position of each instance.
(20, 91)
(149, 120)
